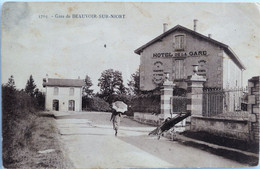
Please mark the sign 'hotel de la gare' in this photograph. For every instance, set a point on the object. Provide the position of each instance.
(176, 50)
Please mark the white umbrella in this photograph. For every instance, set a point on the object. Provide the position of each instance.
(119, 106)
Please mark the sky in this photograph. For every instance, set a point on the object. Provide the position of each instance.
(75, 47)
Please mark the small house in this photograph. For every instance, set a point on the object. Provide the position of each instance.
(63, 94)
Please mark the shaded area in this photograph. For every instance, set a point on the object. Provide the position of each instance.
(232, 155)
(181, 155)
(223, 141)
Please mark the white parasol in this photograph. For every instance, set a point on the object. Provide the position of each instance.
(119, 106)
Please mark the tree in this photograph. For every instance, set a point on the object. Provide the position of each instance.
(111, 82)
(11, 83)
(40, 97)
(86, 88)
(30, 86)
(9, 100)
(134, 83)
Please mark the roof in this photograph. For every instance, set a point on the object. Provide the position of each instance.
(63, 82)
(226, 48)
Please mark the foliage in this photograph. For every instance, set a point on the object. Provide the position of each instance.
(24, 132)
(30, 86)
(86, 88)
(11, 83)
(134, 84)
(120, 97)
(147, 103)
(17, 110)
(8, 95)
(40, 97)
(111, 82)
(95, 104)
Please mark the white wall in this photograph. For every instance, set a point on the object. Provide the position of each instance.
(232, 74)
(63, 97)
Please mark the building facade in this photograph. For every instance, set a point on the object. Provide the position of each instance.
(63, 94)
(176, 50)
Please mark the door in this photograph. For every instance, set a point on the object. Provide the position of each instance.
(55, 105)
(71, 105)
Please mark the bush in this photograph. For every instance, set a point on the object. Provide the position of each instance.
(125, 98)
(95, 104)
(147, 103)
(18, 111)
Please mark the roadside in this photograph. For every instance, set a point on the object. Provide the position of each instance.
(237, 150)
(90, 142)
(40, 146)
(232, 149)
(185, 139)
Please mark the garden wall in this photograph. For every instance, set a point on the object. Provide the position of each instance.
(147, 118)
(231, 128)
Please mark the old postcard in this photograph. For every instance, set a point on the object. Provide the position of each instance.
(130, 84)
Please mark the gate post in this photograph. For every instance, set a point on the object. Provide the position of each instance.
(194, 95)
(166, 94)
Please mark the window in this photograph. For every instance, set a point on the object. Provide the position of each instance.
(71, 91)
(179, 42)
(56, 91)
(179, 69)
(202, 68)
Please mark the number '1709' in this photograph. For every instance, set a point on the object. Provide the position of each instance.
(43, 16)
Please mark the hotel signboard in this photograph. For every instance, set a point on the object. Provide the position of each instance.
(179, 54)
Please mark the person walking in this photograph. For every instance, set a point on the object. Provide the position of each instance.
(115, 117)
(118, 108)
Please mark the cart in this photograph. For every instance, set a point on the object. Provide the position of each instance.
(168, 124)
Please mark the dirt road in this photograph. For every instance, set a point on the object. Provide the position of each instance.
(90, 143)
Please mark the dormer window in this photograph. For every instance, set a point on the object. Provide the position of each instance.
(179, 42)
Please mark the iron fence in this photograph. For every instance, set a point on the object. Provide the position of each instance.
(221, 101)
(179, 104)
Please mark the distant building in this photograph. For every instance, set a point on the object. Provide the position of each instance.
(63, 94)
(176, 50)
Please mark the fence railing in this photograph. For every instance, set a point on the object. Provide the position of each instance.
(221, 101)
(179, 104)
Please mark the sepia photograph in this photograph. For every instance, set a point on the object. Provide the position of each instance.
(130, 84)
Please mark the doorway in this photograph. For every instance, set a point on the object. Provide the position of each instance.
(55, 105)
(71, 105)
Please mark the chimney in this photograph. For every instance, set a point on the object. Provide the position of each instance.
(47, 78)
(209, 35)
(165, 27)
(195, 24)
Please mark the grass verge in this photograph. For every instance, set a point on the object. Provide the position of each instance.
(37, 133)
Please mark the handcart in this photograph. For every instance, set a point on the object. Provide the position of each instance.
(168, 124)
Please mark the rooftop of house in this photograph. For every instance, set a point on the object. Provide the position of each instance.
(63, 82)
(226, 48)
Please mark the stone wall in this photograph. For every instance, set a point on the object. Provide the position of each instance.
(254, 106)
(148, 118)
(246, 128)
(231, 128)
